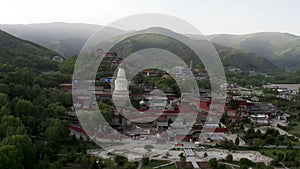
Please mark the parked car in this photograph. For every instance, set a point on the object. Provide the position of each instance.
(179, 145)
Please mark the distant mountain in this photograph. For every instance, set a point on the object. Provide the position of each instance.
(244, 60)
(229, 56)
(21, 53)
(64, 38)
(68, 39)
(282, 49)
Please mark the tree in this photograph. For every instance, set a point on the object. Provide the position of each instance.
(273, 132)
(246, 162)
(237, 141)
(167, 83)
(170, 121)
(120, 160)
(10, 157)
(147, 167)
(108, 164)
(138, 78)
(245, 119)
(229, 157)
(56, 110)
(94, 165)
(4, 111)
(106, 111)
(213, 163)
(242, 127)
(41, 165)
(4, 88)
(222, 166)
(58, 164)
(11, 125)
(145, 160)
(32, 123)
(130, 165)
(56, 131)
(277, 141)
(233, 104)
(260, 165)
(84, 162)
(148, 147)
(270, 139)
(24, 144)
(280, 156)
(24, 107)
(276, 162)
(182, 161)
(67, 66)
(289, 145)
(224, 118)
(4, 101)
(228, 144)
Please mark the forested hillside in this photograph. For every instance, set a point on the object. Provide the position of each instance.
(21, 53)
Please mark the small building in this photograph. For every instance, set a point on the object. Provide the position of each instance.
(215, 127)
(254, 99)
(57, 58)
(260, 119)
(67, 87)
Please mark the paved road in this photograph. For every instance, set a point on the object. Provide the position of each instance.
(189, 152)
(164, 165)
(274, 146)
(140, 164)
(193, 160)
(232, 165)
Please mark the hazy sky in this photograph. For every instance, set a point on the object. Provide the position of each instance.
(209, 16)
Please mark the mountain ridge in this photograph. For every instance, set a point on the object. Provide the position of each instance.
(68, 45)
(282, 49)
(229, 56)
(54, 35)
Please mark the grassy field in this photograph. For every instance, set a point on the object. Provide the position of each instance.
(270, 152)
(295, 129)
(154, 163)
(169, 167)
